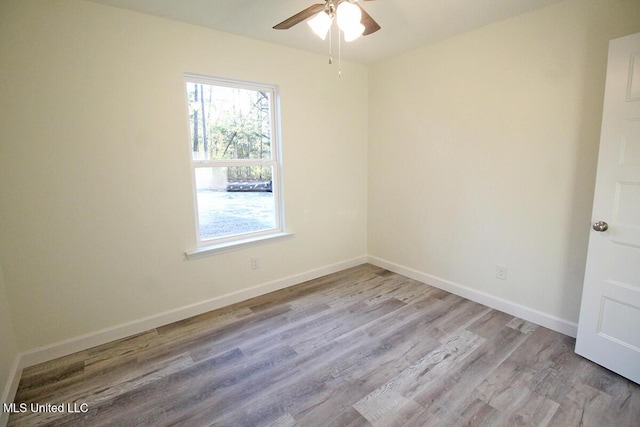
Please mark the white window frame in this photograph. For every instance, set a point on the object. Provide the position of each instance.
(226, 243)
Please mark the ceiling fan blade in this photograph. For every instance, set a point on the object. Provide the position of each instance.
(300, 16)
(370, 26)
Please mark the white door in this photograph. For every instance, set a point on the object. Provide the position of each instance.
(609, 326)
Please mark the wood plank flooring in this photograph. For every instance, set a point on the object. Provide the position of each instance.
(362, 347)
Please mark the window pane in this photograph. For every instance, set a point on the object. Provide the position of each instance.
(234, 200)
(229, 123)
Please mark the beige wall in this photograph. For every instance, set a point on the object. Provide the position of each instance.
(97, 208)
(483, 151)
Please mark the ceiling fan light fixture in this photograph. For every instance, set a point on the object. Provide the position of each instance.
(348, 16)
(320, 24)
(353, 33)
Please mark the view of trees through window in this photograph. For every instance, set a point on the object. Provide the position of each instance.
(230, 123)
(233, 158)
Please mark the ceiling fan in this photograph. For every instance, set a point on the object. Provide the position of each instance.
(352, 19)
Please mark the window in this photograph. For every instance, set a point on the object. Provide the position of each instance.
(234, 159)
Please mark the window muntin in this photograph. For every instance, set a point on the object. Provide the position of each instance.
(234, 158)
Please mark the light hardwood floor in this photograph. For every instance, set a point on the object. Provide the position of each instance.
(357, 348)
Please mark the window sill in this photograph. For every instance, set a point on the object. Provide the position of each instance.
(206, 251)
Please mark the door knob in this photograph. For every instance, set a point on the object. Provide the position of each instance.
(601, 226)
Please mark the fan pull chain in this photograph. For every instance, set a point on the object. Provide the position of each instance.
(339, 57)
(330, 54)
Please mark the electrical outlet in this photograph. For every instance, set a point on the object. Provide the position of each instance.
(255, 263)
(501, 272)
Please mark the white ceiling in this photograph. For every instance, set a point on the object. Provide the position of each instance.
(406, 24)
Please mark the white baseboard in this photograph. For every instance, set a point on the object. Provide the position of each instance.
(86, 341)
(10, 389)
(539, 318)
